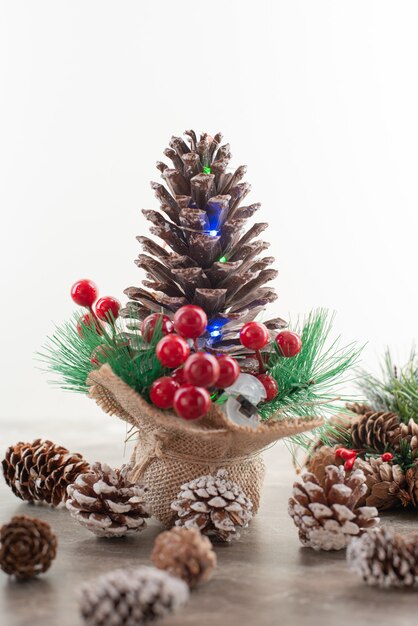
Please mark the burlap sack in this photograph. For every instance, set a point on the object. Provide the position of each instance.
(171, 451)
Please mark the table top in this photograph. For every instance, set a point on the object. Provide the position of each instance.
(266, 578)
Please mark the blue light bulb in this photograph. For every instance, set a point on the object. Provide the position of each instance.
(213, 233)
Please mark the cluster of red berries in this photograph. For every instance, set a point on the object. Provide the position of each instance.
(254, 336)
(84, 293)
(186, 390)
(350, 456)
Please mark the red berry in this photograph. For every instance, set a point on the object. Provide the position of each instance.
(201, 369)
(254, 335)
(87, 320)
(107, 309)
(191, 402)
(270, 385)
(156, 319)
(229, 371)
(345, 454)
(289, 343)
(387, 457)
(178, 376)
(190, 321)
(162, 392)
(84, 292)
(172, 350)
(348, 465)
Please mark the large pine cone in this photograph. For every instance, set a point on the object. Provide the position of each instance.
(106, 502)
(375, 431)
(384, 558)
(386, 484)
(328, 517)
(131, 597)
(409, 432)
(208, 258)
(41, 471)
(214, 505)
(27, 547)
(186, 553)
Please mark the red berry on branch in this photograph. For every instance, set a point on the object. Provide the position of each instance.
(162, 392)
(201, 369)
(178, 376)
(289, 343)
(190, 321)
(107, 309)
(84, 292)
(191, 402)
(270, 385)
(254, 335)
(345, 454)
(172, 350)
(154, 320)
(89, 321)
(387, 457)
(348, 465)
(229, 370)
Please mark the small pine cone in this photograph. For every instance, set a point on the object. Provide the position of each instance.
(375, 431)
(409, 432)
(214, 505)
(328, 517)
(386, 484)
(106, 502)
(384, 558)
(411, 476)
(41, 471)
(27, 547)
(359, 407)
(186, 553)
(319, 461)
(131, 597)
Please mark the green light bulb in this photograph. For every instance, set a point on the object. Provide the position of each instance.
(223, 259)
(206, 169)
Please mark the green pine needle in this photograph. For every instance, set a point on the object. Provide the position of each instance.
(69, 356)
(395, 390)
(308, 383)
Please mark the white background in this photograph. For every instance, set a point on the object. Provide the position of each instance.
(319, 99)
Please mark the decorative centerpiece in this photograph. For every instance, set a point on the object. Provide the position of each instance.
(203, 384)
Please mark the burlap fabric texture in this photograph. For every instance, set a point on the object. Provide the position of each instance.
(170, 451)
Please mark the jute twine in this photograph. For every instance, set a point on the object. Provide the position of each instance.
(171, 451)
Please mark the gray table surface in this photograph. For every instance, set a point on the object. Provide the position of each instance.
(266, 578)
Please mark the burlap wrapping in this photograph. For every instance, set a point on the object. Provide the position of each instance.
(171, 451)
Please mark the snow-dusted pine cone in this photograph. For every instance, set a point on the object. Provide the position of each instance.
(328, 516)
(384, 558)
(131, 597)
(186, 553)
(27, 547)
(214, 505)
(386, 484)
(41, 471)
(375, 430)
(319, 461)
(106, 502)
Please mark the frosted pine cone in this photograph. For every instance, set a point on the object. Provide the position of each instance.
(131, 597)
(384, 558)
(41, 471)
(386, 484)
(320, 460)
(27, 547)
(214, 505)
(107, 503)
(375, 431)
(327, 517)
(186, 553)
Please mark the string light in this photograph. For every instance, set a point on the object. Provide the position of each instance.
(223, 259)
(206, 170)
(213, 233)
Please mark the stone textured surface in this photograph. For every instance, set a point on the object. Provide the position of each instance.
(267, 578)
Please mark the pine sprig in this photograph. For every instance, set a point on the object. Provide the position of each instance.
(70, 356)
(309, 382)
(395, 390)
